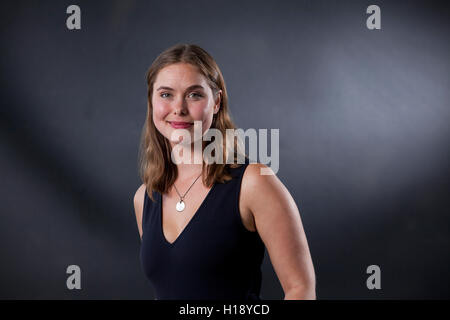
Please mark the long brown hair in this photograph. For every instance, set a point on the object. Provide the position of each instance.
(156, 169)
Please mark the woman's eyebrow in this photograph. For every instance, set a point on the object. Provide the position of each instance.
(164, 88)
(195, 86)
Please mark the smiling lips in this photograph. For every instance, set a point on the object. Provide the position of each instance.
(180, 124)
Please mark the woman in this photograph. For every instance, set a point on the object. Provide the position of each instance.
(205, 238)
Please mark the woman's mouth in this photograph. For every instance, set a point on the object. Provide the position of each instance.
(180, 125)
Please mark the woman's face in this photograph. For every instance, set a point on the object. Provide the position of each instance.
(181, 95)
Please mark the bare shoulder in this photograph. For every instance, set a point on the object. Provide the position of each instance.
(139, 195)
(261, 185)
(259, 176)
(139, 206)
(278, 223)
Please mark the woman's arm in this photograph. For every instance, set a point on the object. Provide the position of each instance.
(138, 201)
(278, 223)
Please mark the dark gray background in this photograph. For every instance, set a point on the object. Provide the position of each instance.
(364, 137)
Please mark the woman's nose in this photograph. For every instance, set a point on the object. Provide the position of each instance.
(180, 106)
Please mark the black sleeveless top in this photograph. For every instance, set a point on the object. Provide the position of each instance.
(215, 256)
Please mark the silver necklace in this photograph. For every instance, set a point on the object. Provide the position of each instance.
(180, 204)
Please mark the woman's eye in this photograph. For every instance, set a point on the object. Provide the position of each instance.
(191, 95)
(195, 95)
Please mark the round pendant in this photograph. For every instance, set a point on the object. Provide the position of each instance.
(180, 205)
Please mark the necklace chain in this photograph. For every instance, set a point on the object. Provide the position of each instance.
(182, 196)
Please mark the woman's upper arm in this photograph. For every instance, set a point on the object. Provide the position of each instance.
(139, 206)
(279, 225)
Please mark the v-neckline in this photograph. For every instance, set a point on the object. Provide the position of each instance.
(171, 244)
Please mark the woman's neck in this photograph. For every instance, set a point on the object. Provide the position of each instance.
(191, 165)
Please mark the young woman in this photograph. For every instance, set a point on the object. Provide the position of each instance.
(204, 226)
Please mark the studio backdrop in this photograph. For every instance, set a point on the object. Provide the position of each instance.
(358, 91)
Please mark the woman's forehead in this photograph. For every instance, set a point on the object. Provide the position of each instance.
(180, 75)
